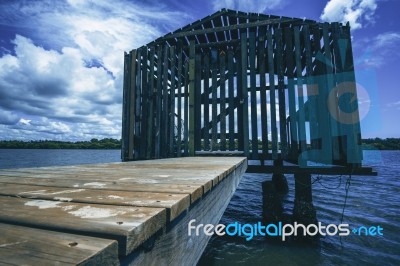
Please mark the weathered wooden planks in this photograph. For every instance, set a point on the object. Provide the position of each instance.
(22, 245)
(126, 202)
(193, 176)
(181, 248)
(173, 202)
(130, 226)
(195, 191)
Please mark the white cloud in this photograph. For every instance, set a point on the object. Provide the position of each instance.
(25, 122)
(63, 78)
(394, 104)
(380, 50)
(357, 12)
(258, 6)
(386, 39)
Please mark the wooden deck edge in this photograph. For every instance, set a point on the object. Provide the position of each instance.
(174, 246)
(21, 245)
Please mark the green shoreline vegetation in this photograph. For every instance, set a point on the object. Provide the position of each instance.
(109, 143)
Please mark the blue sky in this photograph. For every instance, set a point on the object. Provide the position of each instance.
(61, 61)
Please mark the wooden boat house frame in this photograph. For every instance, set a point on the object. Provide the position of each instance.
(235, 83)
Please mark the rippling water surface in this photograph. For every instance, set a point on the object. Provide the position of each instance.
(19, 158)
(371, 201)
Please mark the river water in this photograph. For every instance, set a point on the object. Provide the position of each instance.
(371, 201)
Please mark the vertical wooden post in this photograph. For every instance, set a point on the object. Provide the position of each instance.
(197, 103)
(125, 109)
(271, 78)
(253, 94)
(354, 151)
(312, 94)
(303, 187)
(263, 91)
(222, 103)
(191, 98)
(165, 116)
(138, 102)
(281, 91)
(279, 179)
(214, 129)
(294, 149)
(230, 101)
(145, 105)
(158, 103)
(171, 114)
(131, 100)
(304, 211)
(206, 131)
(186, 111)
(244, 93)
(151, 97)
(131, 93)
(179, 140)
(338, 64)
(329, 79)
(325, 152)
(300, 96)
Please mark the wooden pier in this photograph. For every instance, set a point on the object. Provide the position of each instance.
(113, 213)
(277, 90)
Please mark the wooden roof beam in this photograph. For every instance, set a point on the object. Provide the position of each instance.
(226, 28)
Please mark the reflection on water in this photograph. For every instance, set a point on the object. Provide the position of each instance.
(371, 201)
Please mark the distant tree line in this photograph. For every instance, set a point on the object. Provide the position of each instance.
(381, 144)
(106, 143)
(109, 143)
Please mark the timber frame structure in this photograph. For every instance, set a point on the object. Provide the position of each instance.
(235, 83)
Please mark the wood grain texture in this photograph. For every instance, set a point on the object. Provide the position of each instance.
(30, 246)
(174, 203)
(194, 191)
(128, 202)
(175, 246)
(129, 226)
